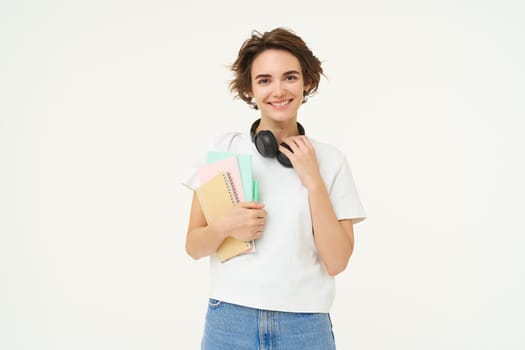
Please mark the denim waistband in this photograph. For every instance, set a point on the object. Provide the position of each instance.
(230, 327)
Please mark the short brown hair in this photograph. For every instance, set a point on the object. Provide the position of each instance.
(279, 39)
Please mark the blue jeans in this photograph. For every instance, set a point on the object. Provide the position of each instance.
(233, 327)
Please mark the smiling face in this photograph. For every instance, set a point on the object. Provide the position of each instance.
(277, 85)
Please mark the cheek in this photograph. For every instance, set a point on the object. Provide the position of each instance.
(260, 93)
(300, 88)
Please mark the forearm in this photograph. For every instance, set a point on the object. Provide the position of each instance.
(203, 241)
(334, 244)
(245, 222)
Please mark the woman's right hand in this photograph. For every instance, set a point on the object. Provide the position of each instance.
(245, 221)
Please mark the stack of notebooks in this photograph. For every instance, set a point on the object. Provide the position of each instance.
(226, 180)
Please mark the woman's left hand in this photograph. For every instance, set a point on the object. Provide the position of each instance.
(303, 159)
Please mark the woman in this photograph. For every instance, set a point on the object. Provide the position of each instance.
(279, 297)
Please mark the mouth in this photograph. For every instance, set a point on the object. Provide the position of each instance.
(280, 104)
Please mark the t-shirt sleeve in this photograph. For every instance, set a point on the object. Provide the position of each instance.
(220, 142)
(190, 178)
(344, 197)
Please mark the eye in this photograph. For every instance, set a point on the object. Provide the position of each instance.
(263, 81)
(291, 77)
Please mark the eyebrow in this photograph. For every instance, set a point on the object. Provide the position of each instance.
(284, 74)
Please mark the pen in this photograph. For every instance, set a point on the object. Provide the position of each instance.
(255, 191)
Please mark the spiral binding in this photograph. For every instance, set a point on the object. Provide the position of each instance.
(249, 245)
(229, 183)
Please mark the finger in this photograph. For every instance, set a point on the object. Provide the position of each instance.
(256, 220)
(256, 235)
(285, 151)
(258, 213)
(259, 230)
(292, 142)
(306, 141)
(303, 141)
(304, 144)
(250, 205)
(255, 232)
(301, 145)
(254, 223)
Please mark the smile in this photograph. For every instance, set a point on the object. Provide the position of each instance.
(280, 103)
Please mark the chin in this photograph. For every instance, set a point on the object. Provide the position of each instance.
(280, 116)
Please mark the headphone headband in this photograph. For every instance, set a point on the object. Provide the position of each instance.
(256, 123)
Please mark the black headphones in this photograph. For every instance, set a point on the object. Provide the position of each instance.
(266, 143)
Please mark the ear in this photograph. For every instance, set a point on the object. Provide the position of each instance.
(307, 86)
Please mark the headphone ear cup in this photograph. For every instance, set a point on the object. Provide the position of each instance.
(282, 158)
(266, 144)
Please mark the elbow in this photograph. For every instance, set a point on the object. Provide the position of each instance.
(193, 256)
(192, 253)
(335, 269)
(336, 266)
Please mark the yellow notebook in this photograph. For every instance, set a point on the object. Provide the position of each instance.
(216, 197)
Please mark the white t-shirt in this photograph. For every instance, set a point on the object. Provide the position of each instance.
(286, 273)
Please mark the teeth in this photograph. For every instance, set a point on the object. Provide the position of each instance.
(280, 103)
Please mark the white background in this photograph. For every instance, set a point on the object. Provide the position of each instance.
(103, 104)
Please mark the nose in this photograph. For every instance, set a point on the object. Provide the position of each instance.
(278, 89)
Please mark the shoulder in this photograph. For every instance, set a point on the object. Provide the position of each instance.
(328, 152)
(331, 160)
(229, 141)
(224, 141)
